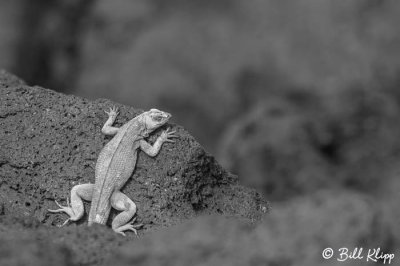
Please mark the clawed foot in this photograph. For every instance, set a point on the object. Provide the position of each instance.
(66, 209)
(129, 227)
(167, 135)
(113, 112)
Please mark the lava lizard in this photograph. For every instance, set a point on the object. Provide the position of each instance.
(115, 165)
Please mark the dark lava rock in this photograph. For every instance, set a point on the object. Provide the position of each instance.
(50, 142)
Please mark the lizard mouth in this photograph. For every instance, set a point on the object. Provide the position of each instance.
(165, 118)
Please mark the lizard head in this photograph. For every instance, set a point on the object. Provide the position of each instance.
(154, 119)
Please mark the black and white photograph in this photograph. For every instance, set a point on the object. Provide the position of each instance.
(199, 132)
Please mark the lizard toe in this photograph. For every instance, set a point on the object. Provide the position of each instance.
(127, 227)
(132, 228)
(66, 209)
(64, 223)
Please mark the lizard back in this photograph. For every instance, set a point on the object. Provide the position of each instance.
(115, 165)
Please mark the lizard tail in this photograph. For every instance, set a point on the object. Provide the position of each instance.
(99, 212)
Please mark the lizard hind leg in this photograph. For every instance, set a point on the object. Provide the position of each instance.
(121, 202)
(75, 209)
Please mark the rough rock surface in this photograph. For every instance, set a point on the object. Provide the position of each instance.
(50, 142)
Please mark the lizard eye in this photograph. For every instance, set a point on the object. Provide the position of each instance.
(157, 118)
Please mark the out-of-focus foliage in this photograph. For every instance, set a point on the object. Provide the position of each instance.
(211, 62)
(40, 40)
(10, 30)
(293, 96)
(297, 146)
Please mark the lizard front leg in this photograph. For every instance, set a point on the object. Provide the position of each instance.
(166, 136)
(75, 210)
(108, 129)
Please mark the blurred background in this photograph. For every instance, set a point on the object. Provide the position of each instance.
(299, 98)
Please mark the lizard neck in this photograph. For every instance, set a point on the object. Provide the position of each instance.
(137, 128)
